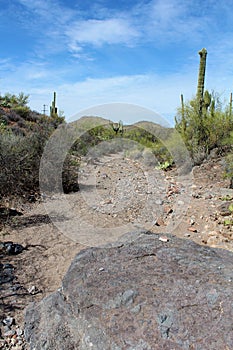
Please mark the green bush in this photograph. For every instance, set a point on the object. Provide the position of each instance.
(22, 111)
(202, 133)
(19, 162)
(229, 168)
(20, 155)
(11, 100)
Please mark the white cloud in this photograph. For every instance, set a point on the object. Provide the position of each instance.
(156, 21)
(99, 32)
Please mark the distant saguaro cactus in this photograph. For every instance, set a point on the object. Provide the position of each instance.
(183, 121)
(182, 105)
(53, 108)
(230, 107)
(201, 79)
(118, 127)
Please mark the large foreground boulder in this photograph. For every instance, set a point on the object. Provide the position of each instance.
(140, 293)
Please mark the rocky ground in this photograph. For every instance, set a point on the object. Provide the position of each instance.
(117, 195)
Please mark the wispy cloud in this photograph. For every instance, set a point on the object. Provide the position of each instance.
(99, 32)
(50, 11)
(156, 21)
(168, 21)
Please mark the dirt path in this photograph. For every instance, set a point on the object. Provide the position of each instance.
(116, 195)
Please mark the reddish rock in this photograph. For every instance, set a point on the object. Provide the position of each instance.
(192, 229)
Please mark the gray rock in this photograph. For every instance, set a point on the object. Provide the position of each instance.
(8, 321)
(150, 295)
(9, 333)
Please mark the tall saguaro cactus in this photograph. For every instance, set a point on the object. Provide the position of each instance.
(53, 108)
(201, 80)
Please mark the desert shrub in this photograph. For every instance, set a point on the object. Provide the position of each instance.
(149, 143)
(202, 133)
(19, 162)
(17, 130)
(23, 135)
(13, 116)
(22, 111)
(92, 137)
(228, 148)
(56, 120)
(20, 156)
(11, 100)
(229, 168)
(21, 123)
(4, 119)
(70, 174)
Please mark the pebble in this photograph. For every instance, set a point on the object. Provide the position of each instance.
(163, 239)
(33, 290)
(187, 235)
(8, 321)
(192, 221)
(19, 331)
(14, 341)
(159, 222)
(192, 229)
(9, 333)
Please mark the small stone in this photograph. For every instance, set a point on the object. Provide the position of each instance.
(6, 329)
(136, 309)
(168, 210)
(13, 248)
(19, 331)
(159, 222)
(8, 321)
(33, 290)
(163, 239)
(9, 333)
(14, 341)
(192, 229)
(192, 221)
(8, 266)
(20, 342)
(212, 233)
(187, 235)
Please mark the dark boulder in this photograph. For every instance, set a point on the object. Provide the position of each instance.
(10, 248)
(139, 293)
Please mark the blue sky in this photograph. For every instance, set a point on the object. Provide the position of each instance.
(142, 52)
